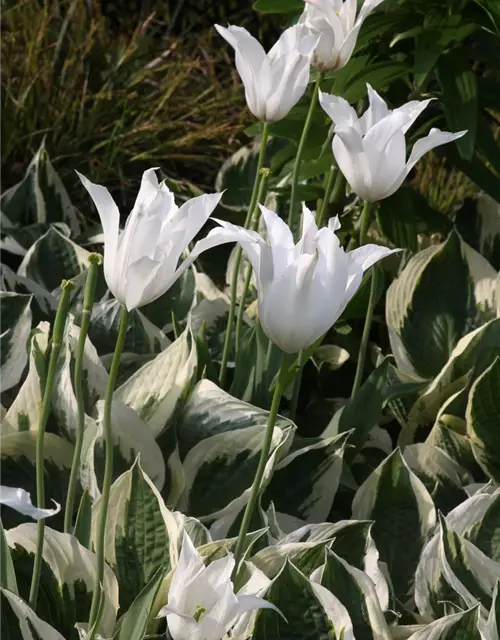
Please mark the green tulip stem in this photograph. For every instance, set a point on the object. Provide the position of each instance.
(375, 275)
(264, 457)
(95, 260)
(55, 348)
(248, 275)
(108, 466)
(238, 257)
(300, 150)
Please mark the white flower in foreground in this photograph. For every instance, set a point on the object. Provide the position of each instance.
(140, 263)
(275, 82)
(371, 150)
(338, 25)
(20, 500)
(202, 604)
(303, 288)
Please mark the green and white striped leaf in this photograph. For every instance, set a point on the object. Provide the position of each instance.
(306, 556)
(45, 305)
(18, 468)
(457, 626)
(480, 227)
(15, 309)
(53, 258)
(141, 533)
(404, 515)
(24, 412)
(22, 622)
(310, 612)
(305, 481)
(156, 388)
(210, 411)
(471, 356)
(357, 593)
(491, 629)
(483, 420)
(19, 240)
(443, 292)
(67, 578)
(142, 336)
(39, 197)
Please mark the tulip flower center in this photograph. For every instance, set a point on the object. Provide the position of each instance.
(199, 613)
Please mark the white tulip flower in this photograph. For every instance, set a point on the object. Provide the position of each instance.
(338, 26)
(371, 150)
(20, 500)
(202, 604)
(274, 82)
(140, 263)
(304, 288)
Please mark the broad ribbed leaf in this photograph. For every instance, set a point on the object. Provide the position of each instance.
(15, 309)
(458, 626)
(20, 622)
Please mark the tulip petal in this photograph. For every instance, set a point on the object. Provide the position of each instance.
(307, 242)
(250, 603)
(367, 8)
(376, 112)
(289, 79)
(280, 239)
(196, 212)
(435, 139)
(367, 255)
(110, 220)
(350, 155)
(412, 110)
(148, 190)
(189, 567)
(252, 66)
(339, 110)
(20, 500)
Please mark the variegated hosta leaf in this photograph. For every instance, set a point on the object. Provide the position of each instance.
(457, 626)
(443, 292)
(53, 258)
(142, 336)
(306, 556)
(219, 470)
(237, 175)
(19, 240)
(483, 419)
(39, 197)
(210, 411)
(141, 533)
(18, 468)
(155, 389)
(44, 303)
(310, 611)
(15, 309)
(357, 593)
(480, 227)
(306, 480)
(471, 356)
(491, 629)
(67, 578)
(24, 412)
(404, 515)
(22, 622)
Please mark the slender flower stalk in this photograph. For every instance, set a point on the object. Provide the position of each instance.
(95, 260)
(264, 456)
(364, 226)
(57, 338)
(108, 468)
(238, 256)
(248, 275)
(300, 150)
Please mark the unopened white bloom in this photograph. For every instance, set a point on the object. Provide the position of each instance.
(20, 500)
(302, 288)
(202, 604)
(140, 263)
(338, 25)
(371, 150)
(274, 82)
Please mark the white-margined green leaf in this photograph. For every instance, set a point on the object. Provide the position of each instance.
(306, 480)
(439, 297)
(310, 612)
(306, 556)
(141, 533)
(155, 389)
(480, 227)
(491, 629)
(15, 309)
(457, 626)
(53, 258)
(67, 578)
(22, 622)
(46, 304)
(39, 197)
(19, 240)
(404, 515)
(210, 411)
(357, 593)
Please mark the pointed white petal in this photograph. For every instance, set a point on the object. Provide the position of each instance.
(435, 139)
(339, 110)
(367, 255)
(20, 500)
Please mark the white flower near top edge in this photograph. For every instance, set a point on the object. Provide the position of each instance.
(302, 288)
(338, 25)
(20, 500)
(371, 150)
(202, 604)
(141, 262)
(274, 82)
